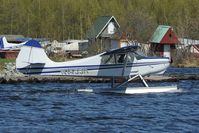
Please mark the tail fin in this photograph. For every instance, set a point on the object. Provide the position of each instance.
(2, 42)
(30, 54)
(4, 45)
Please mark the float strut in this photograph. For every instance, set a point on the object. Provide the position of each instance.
(113, 82)
(131, 78)
(146, 85)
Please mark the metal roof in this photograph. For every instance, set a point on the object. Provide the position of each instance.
(159, 33)
(100, 24)
(12, 37)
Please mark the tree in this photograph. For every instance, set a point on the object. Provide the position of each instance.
(65, 19)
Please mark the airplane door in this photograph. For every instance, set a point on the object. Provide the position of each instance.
(130, 59)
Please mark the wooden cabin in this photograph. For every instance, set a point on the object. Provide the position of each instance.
(9, 54)
(163, 41)
(103, 33)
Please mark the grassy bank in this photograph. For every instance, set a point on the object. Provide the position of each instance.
(190, 62)
(4, 61)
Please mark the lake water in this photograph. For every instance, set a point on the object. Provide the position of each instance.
(56, 107)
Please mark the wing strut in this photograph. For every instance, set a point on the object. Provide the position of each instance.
(125, 63)
(112, 82)
(146, 85)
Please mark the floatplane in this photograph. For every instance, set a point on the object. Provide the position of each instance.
(123, 62)
(5, 45)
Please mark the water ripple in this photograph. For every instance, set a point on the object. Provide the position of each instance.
(57, 107)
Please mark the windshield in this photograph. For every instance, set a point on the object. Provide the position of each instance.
(114, 59)
(121, 58)
(139, 55)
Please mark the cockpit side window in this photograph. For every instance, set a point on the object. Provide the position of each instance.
(120, 58)
(108, 59)
(131, 57)
(114, 59)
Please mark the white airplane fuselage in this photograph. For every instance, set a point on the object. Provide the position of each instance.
(34, 61)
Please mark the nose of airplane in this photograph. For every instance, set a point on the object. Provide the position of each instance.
(169, 62)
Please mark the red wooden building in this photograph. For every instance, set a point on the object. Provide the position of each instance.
(163, 41)
(9, 54)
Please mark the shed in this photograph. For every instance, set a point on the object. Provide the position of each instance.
(103, 31)
(104, 26)
(9, 54)
(163, 40)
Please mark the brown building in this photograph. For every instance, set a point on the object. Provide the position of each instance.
(9, 54)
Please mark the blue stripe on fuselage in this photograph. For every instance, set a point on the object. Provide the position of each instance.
(90, 67)
(99, 66)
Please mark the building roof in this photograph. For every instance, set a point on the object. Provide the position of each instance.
(159, 33)
(164, 35)
(100, 24)
(12, 38)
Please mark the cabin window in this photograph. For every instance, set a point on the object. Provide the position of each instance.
(130, 58)
(108, 59)
(139, 56)
(120, 58)
(114, 59)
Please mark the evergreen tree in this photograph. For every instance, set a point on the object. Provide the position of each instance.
(70, 19)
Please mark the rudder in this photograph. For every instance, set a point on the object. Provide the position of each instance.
(31, 53)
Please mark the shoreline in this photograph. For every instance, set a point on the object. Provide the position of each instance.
(66, 79)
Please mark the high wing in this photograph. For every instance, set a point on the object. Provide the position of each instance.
(131, 48)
